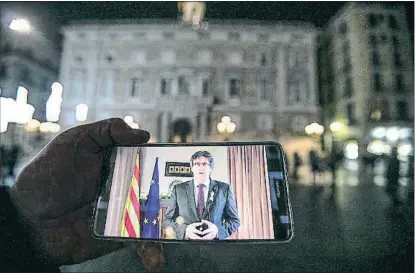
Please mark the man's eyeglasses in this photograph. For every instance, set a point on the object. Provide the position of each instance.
(204, 164)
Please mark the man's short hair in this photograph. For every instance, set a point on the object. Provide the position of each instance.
(202, 154)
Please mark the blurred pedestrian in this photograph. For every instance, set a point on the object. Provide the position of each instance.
(392, 176)
(287, 164)
(314, 165)
(335, 158)
(410, 176)
(368, 161)
(13, 156)
(297, 164)
(3, 162)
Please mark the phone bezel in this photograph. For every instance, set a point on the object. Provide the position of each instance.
(102, 181)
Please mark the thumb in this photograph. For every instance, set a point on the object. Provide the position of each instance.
(99, 135)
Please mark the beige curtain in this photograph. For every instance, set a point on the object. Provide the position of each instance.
(250, 185)
(123, 172)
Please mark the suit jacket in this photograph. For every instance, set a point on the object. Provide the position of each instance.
(221, 211)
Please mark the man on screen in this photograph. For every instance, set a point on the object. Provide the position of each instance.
(201, 208)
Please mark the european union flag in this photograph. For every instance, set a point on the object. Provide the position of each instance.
(152, 207)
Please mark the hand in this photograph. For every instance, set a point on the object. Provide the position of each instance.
(211, 232)
(192, 232)
(55, 192)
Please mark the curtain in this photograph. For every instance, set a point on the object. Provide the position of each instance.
(249, 182)
(123, 172)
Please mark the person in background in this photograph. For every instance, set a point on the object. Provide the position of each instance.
(46, 215)
(314, 165)
(392, 176)
(410, 176)
(297, 164)
(3, 160)
(335, 158)
(14, 154)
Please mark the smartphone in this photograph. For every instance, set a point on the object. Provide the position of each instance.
(194, 192)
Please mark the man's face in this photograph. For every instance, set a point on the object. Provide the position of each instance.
(201, 169)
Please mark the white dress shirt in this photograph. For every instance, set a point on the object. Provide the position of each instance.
(206, 190)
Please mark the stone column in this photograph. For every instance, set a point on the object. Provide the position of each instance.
(164, 127)
(282, 77)
(174, 86)
(312, 74)
(203, 136)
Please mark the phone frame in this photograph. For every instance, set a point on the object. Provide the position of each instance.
(102, 184)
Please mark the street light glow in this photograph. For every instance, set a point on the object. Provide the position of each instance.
(128, 119)
(378, 147)
(20, 25)
(81, 112)
(392, 134)
(32, 126)
(134, 125)
(335, 127)
(53, 105)
(352, 150)
(21, 96)
(6, 108)
(226, 119)
(221, 127)
(49, 127)
(314, 129)
(17, 111)
(22, 113)
(57, 89)
(379, 132)
(230, 128)
(226, 125)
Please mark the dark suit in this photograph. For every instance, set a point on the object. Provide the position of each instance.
(221, 211)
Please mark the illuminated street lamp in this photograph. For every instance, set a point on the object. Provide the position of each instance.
(32, 126)
(53, 110)
(6, 109)
(130, 121)
(81, 112)
(226, 127)
(53, 105)
(20, 25)
(314, 129)
(20, 111)
(49, 127)
(17, 111)
(335, 127)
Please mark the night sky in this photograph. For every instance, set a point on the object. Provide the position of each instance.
(308, 11)
(315, 12)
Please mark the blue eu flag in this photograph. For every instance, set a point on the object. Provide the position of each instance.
(152, 207)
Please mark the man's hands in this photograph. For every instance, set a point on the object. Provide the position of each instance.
(55, 192)
(211, 232)
(193, 233)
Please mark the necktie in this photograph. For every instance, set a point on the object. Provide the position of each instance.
(200, 200)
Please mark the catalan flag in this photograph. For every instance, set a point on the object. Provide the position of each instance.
(130, 225)
(151, 222)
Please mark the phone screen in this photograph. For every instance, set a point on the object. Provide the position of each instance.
(212, 192)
